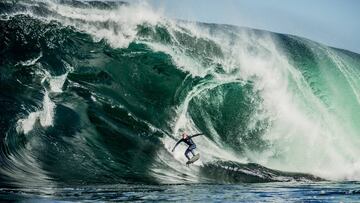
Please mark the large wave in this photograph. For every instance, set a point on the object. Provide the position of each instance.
(96, 92)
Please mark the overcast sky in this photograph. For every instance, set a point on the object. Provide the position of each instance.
(332, 22)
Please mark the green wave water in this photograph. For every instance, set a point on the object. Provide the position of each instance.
(96, 93)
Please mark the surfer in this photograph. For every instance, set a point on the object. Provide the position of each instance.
(188, 140)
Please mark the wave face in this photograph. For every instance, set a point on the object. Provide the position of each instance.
(96, 92)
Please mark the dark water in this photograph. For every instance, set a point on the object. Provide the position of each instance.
(255, 192)
(93, 96)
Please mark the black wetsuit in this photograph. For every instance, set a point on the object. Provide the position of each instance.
(189, 142)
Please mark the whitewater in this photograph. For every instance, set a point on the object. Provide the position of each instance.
(97, 93)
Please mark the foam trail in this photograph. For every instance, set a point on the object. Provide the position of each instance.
(57, 82)
(27, 124)
(31, 62)
(45, 116)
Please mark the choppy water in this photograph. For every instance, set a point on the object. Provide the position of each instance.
(255, 192)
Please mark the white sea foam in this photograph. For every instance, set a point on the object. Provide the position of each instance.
(57, 82)
(45, 116)
(121, 22)
(31, 62)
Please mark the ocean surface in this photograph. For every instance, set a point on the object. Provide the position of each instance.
(254, 192)
(94, 95)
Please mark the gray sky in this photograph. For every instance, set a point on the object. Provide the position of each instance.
(332, 22)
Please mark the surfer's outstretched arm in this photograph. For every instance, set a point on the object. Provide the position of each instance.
(177, 144)
(192, 136)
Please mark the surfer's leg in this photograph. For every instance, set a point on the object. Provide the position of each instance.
(192, 147)
(187, 153)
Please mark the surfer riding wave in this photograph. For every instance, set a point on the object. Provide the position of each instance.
(188, 140)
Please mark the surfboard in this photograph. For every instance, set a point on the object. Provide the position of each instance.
(193, 159)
